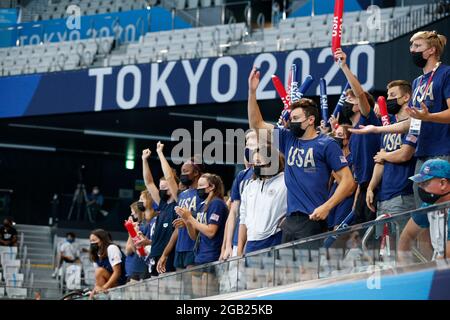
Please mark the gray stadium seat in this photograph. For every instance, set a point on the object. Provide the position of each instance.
(206, 3)
(192, 4)
(180, 4)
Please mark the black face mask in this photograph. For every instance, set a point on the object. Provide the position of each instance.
(134, 218)
(430, 198)
(164, 195)
(296, 129)
(340, 142)
(418, 59)
(94, 247)
(347, 110)
(202, 194)
(184, 178)
(141, 206)
(392, 106)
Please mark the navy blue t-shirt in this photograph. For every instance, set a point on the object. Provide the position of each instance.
(209, 249)
(341, 211)
(395, 180)
(434, 138)
(104, 263)
(308, 166)
(240, 182)
(363, 148)
(187, 199)
(133, 262)
(163, 227)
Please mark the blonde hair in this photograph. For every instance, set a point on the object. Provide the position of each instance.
(216, 181)
(148, 199)
(433, 39)
(139, 213)
(403, 85)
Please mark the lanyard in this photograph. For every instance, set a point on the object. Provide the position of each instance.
(427, 86)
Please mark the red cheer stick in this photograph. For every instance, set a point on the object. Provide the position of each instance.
(281, 91)
(383, 110)
(336, 32)
(132, 232)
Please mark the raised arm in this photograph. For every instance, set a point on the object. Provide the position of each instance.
(255, 118)
(167, 170)
(358, 90)
(148, 177)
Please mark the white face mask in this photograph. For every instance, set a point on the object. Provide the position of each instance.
(95, 191)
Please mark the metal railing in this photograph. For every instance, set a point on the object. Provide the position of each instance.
(294, 262)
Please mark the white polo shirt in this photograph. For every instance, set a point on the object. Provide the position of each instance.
(263, 205)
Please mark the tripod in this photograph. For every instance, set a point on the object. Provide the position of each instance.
(79, 196)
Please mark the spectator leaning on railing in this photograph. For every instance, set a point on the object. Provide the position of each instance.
(433, 181)
(135, 267)
(207, 230)
(109, 262)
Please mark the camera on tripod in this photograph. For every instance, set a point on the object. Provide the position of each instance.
(80, 201)
(81, 173)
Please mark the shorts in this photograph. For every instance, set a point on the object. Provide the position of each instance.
(183, 259)
(137, 276)
(299, 226)
(154, 262)
(395, 205)
(362, 211)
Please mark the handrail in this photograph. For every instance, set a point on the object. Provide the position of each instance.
(370, 224)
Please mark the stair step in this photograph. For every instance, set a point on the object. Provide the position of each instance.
(41, 261)
(39, 236)
(40, 250)
(33, 245)
(31, 227)
(39, 255)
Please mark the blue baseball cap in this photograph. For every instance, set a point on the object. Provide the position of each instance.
(434, 168)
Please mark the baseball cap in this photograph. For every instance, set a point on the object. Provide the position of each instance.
(434, 168)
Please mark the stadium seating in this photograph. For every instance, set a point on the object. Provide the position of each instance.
(210, 41)
(56, 9)
(57, 56)
(11, 265)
